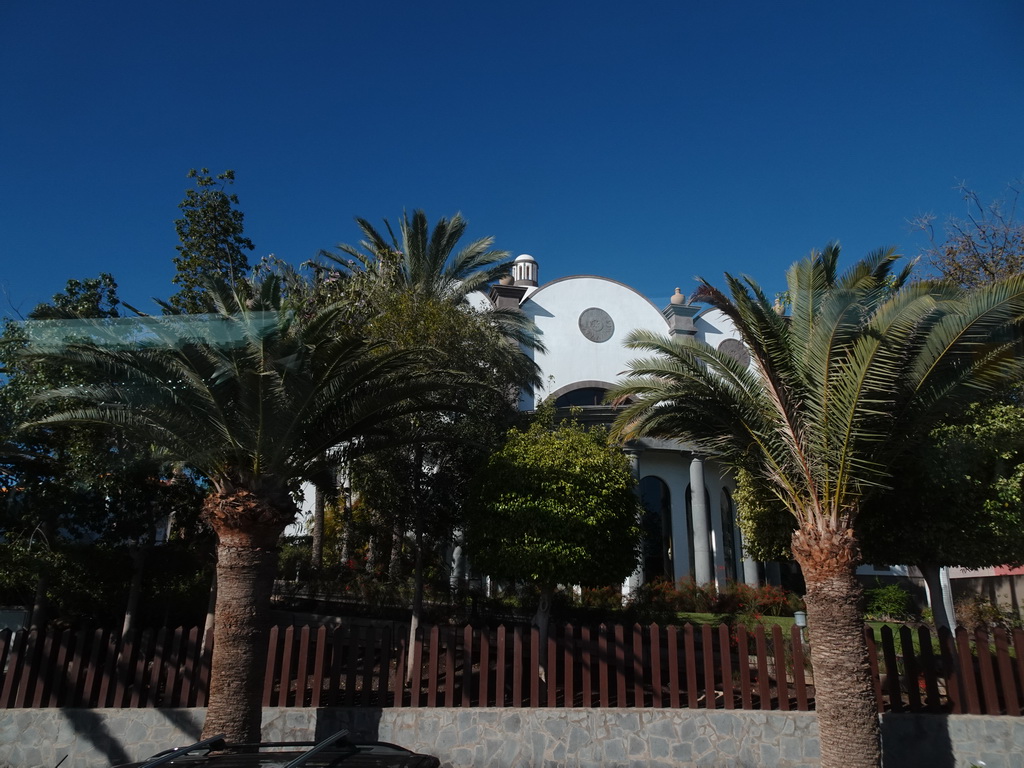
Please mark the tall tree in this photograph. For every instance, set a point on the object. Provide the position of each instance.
(212, 245)
(985, 244)
(555, 505)
(857, 373)
(415, 287)
(254, 401)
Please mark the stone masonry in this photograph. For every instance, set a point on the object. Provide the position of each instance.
(521, 738)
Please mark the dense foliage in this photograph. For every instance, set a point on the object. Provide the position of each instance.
(556, 505)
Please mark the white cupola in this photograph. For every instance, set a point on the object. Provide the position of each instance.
(525, 271)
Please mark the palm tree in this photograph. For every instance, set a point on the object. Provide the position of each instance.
(254, 401)
(423, 264)
(864, 363)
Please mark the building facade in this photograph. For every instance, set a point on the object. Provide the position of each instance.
(583, 321)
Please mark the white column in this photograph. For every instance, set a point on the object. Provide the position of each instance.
(637, 578)
(702, 565)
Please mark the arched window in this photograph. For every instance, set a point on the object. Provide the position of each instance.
(657, 525)
(582, 397)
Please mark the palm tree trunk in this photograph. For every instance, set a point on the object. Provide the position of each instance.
(245, 578)
(844, 696)
(248, 526)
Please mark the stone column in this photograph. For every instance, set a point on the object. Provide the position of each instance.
(702, 565)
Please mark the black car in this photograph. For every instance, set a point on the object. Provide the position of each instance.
(335, 750)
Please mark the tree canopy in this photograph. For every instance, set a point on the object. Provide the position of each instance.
(213, 243)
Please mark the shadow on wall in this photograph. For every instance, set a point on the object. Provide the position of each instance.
(918, 740)
(91, 725)
(362, 724)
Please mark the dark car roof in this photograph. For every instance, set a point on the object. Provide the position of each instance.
(335, 750)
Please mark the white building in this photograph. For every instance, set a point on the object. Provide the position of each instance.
(583, 321)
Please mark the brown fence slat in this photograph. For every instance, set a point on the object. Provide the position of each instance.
(534, 667)
(725, 649)
(205, 665)
(554, 665)
(108, 679)
(125, 655)
(518, 667)
(467, 666)
(781, 669)
(1007, 682)
(61, 669)
(620, 665)
(15, 664)
(602, 666)
(173, 665)
(302, 692)
(270, 669)
(929, 668)
(690, 655)
(764, 683)
(401, 660)
(287, 661)
(384, 678)
(876, 679)
(337, 660)
(638, 666)
(1018, 652)
(84, 671)
(484, 688)
(708, 646)
(189, 672)
(954, 680)
(748, 671)
(892, 672)
(587, 659)
(367, 651)
(137, 681)
(911, 669)
(156, 670)
(654, 646)
(5, 649)
(349, 656)
(799, 680)
(986, 675)
(316, 687)
(672, 640)
(500, 699)
(568, 665)
(93, 672)
(32, 684)
(965, 664)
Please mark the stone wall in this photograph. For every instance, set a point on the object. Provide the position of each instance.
(520, 738)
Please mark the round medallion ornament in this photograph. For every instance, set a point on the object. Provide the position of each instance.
(596, 324)
(735, 349)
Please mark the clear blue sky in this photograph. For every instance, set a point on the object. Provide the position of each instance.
(647, 142)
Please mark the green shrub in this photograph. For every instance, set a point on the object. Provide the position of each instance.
(887, 603)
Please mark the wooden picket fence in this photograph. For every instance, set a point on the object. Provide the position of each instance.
(359, 664)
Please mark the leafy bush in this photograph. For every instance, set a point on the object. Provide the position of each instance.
(887, 603)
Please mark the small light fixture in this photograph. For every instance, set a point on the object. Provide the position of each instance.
(800, 618)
